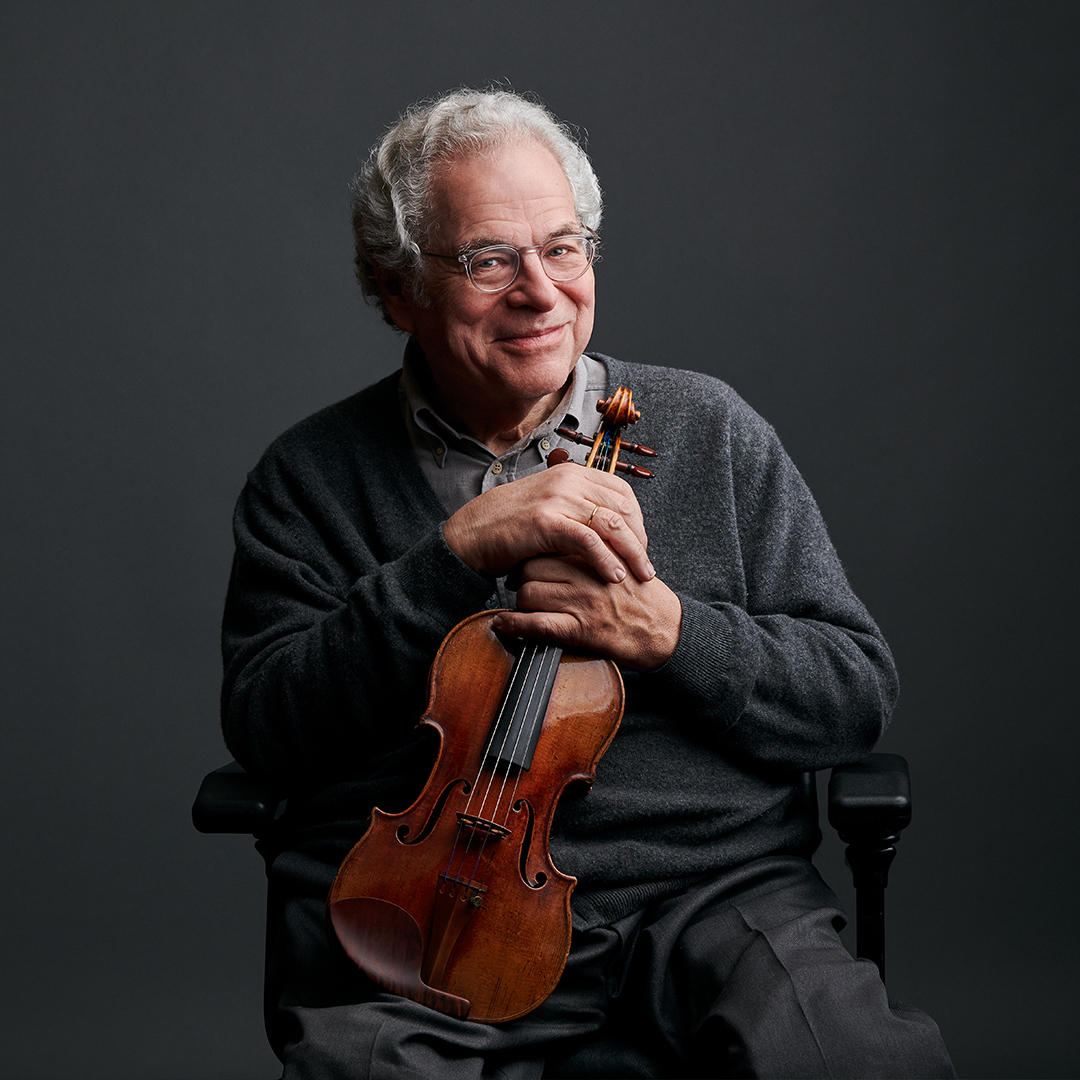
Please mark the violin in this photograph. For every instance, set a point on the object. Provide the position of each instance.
(455, 902)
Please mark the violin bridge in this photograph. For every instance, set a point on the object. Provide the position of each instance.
(479, 824)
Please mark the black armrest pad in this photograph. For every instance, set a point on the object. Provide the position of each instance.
(232, 801)
(870, 799)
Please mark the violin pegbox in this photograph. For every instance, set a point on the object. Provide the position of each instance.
(617, 411)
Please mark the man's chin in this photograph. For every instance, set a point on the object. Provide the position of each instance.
(544, 374)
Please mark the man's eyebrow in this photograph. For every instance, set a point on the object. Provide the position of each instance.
(477, 242)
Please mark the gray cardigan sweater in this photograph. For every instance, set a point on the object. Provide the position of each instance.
(343, 587)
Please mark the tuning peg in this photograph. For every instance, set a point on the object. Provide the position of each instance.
(637, 448)
(574, 436)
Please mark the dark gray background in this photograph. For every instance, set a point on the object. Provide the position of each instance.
(861, 214)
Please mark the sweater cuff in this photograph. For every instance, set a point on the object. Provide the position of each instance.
(714, 662)
(430, 580)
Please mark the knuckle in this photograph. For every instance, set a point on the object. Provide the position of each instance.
(547, 625)
(594, 544)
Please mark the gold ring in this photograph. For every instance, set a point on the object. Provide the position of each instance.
(588, 524)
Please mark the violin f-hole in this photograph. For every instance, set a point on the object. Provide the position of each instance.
(435, 815)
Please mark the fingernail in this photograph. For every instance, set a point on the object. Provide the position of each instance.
(620, 573)
(652, 571)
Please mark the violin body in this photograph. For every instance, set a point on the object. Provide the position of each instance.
(455, 902)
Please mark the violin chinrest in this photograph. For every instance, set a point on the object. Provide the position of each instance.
(384, 941)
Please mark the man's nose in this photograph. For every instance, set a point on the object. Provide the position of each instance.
(532, 286)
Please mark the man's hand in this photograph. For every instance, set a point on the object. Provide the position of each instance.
(565, 510)
(633, 622)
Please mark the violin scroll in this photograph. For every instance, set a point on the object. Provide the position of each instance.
(618, 410)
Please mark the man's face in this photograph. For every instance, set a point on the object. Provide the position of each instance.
(513, 348)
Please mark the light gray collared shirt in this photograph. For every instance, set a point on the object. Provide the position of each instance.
(460, 467)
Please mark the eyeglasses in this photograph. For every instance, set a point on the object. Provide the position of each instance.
(494, 268)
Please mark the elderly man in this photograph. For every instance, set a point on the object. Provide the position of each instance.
(370, 529)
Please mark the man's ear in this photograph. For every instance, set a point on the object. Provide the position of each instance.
(396, 297)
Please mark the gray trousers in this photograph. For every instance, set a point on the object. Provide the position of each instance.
(744, 975)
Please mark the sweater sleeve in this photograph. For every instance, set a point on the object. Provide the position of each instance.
(787, 669)
(330, 623)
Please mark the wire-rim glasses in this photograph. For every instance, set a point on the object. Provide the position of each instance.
(494, 268)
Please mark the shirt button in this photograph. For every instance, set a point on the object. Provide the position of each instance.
(545, 444)
(440, 450)
(497, 468)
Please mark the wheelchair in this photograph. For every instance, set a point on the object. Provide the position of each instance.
(869, 806)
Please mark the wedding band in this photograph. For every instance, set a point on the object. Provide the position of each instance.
(588, 524)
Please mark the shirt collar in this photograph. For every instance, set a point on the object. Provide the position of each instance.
(567, 413)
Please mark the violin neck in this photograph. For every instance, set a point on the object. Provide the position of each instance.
(516, 729)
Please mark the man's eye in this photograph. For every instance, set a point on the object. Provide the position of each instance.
(567, 249)
(487, 261)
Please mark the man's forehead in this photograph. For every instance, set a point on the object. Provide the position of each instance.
(482, 240)
(502, 195)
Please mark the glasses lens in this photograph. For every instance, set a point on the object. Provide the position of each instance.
(567, 257)
(493, 268)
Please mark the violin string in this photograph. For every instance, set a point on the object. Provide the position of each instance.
(603, 462)
(479, 787)
(536, 710)
(549, 655)
(533, 715)
(530, 681)
(603, 454)
(477, 781)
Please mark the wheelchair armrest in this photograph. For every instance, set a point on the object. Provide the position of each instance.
(869, 806)
(232, 801)
(870, 800)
